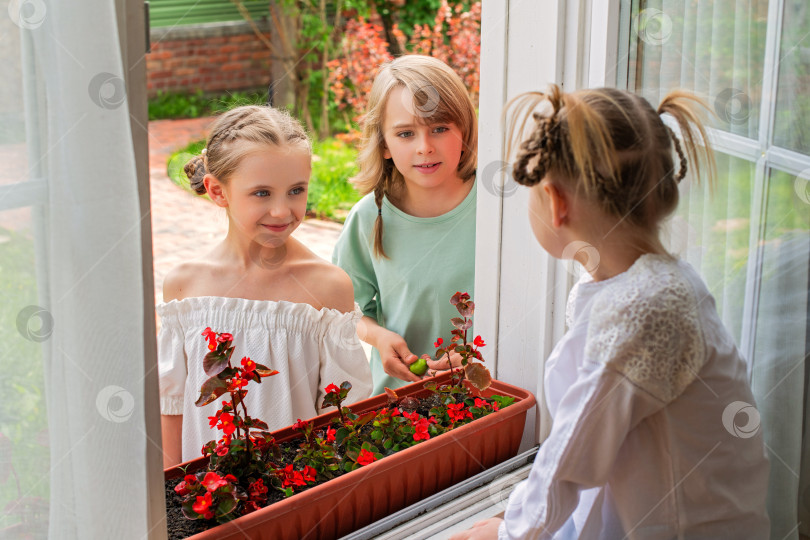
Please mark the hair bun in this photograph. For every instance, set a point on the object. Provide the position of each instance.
(195, 170)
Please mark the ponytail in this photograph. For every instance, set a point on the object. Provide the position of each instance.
(683, 107)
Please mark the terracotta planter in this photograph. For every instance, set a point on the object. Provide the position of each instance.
(360, 497)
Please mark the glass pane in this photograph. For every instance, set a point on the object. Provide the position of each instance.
(711, 231)
(792, 126)
(781, 346)
(715, 48)
(24, 453)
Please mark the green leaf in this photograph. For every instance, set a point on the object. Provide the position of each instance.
(210, 391)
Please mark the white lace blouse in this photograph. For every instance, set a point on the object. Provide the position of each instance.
(310, 348)
(654, 433)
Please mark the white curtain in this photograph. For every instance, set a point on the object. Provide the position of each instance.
(750, 238)
(87, 322)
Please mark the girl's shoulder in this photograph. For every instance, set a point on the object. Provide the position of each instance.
(646, 323)
(182, 280)
(327, 284)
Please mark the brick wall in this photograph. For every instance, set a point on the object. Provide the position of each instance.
(212, 57)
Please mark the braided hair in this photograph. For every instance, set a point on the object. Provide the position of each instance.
(612, 147)
(252, 124)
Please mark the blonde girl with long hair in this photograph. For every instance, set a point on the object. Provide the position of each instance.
(409, 244)
(644, 386)
(286, 308)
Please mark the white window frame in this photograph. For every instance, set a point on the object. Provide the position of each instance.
(521, 298)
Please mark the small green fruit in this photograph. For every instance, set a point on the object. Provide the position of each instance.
(419, 367)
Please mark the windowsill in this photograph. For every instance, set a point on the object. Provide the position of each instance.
(456, 508)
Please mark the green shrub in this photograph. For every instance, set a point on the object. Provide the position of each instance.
(196, 105)
(331, 196)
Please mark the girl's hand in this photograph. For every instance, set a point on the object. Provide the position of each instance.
(483, 530)
(396, 357)
(437, 367)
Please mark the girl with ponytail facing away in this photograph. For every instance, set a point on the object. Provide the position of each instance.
(641, 385)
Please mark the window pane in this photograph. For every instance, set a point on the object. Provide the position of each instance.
(715, 48)
(792, 125)
(24, 453)
(712, 233)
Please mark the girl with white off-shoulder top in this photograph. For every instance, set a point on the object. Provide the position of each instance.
(285, 307)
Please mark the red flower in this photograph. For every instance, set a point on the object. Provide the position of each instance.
(478, 341)
(366, 457)
(231, 478)
(310, 473)
(211, 336)
(182, 489)
(248, 365)
(227, 425)
(236, 383)
(213, 420)
(332, 389)
(190, 479)
(202, 505)
(495, 406)
(457, 412)
(330, 434)
(290, 477)
(213, 482)
(438, 343)
(257, 489)
(421, 428)
(300, 424)
(225, 337)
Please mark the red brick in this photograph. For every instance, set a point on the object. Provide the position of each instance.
(227, 49)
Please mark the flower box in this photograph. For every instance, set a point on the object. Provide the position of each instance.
(355, 499)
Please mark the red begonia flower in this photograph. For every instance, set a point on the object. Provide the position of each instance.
(227, 425)
(203, 503)
(300, 424)
(332, 389)
(482, 403)
(478, 341)
(248, 365)
(457, 412)
(225, 337)
(438, 343)
(182, 489)
(366, 457)
(213, 482)
(310, 474)
(330, 434)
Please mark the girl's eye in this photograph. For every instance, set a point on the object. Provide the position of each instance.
(297, 191)
(262, 193)
(441, 129)
(404, 134)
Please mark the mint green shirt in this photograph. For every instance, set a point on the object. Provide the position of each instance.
(409, 293)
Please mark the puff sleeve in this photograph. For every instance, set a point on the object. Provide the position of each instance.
(172, 367)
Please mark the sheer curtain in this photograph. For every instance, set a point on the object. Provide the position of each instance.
(750, 236)
(73, 441)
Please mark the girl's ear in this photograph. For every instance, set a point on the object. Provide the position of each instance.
(386, 152)
(558, 204)
(214, 188)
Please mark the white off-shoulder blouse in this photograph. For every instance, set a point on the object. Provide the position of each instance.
(655, 434)
(310, 348)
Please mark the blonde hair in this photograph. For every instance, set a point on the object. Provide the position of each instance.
(250, 123)
(613, 147)
(439, 96)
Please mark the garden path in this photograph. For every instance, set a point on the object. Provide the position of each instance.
(185, 226)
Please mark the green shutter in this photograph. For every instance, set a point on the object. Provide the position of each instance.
(185, 12)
